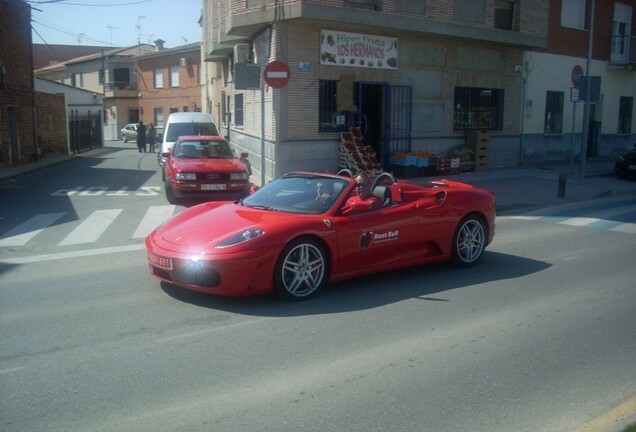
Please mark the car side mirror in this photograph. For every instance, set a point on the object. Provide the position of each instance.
(244, 155)
(165, 155)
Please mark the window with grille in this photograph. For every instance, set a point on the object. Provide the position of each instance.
(478, 109)
(328, 107)
(553, 112)
(238, 109)
(625, 108)
(121, 77)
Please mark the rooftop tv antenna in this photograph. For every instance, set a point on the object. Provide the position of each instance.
(139, 18)
(110, 28)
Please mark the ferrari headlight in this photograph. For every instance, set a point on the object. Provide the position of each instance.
(186, 176)
(238, 176)
(241, 237)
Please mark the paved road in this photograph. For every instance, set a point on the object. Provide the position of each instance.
(538, 337)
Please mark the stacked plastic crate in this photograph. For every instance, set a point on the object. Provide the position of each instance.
(357, 156)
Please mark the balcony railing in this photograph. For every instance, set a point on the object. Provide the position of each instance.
(623, 50)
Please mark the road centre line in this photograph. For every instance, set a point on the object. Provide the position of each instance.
(209, 330)
(73, 254)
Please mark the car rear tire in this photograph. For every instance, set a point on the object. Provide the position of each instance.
(301, 270)
(469, 241)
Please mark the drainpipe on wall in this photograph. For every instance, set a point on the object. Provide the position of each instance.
(33, 111)
(524, 95)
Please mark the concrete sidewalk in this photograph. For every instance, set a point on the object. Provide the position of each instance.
(517, 188)
(514, 188)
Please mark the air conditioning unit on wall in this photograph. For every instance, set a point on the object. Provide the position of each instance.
(241, 53)
(183, 62)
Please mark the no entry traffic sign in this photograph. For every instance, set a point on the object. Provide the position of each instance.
(276, 74)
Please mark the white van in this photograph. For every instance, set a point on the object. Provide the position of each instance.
(185, 123)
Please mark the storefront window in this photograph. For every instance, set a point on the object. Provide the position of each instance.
(478, 109)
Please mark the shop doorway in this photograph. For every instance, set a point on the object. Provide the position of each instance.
(385, 117)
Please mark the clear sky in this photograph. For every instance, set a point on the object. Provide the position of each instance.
(115, 22)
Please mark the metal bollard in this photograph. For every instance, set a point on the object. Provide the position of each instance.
(562, 182)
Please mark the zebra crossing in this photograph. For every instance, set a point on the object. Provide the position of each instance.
(616, 216)
(89, 230)
(611, 215)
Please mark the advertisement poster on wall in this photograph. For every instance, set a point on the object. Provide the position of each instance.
(358, 50)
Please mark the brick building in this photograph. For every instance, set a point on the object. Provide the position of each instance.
(416, 76)
(18, 142)
(169, 81)
(32, 125)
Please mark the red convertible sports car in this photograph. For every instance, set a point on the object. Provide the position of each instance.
(299, 232)
(204, 167)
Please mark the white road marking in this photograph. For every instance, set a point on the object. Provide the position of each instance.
(628, 228)
(20, 235)
(579, 221)
(155, 215)
(91, 228)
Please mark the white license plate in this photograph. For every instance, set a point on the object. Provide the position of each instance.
(159, 261)
(213, 187)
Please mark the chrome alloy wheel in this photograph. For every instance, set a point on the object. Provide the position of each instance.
(301, 271)
(469, 241)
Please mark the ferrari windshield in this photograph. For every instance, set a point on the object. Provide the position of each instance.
(309, 194)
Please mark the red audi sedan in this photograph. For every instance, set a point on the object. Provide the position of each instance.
(205, 167)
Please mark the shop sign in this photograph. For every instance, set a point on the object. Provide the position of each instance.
(358, 50)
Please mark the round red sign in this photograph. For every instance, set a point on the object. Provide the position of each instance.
(276, 74)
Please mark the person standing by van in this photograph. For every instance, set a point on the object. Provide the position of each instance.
(150, 138)
(141, 137)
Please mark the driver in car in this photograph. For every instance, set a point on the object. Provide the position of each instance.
(324, 192)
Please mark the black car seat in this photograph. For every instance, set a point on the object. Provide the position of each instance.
(384, 193)
(187, 150)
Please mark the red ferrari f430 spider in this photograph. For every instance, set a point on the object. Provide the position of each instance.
(306, 229)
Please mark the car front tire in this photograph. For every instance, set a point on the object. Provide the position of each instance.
(170, 194)
(469, 241)
(301, 270)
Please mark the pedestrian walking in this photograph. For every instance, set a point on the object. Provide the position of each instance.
(150, 138)
(141, 137)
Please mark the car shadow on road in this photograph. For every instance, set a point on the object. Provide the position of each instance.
(373, 291)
